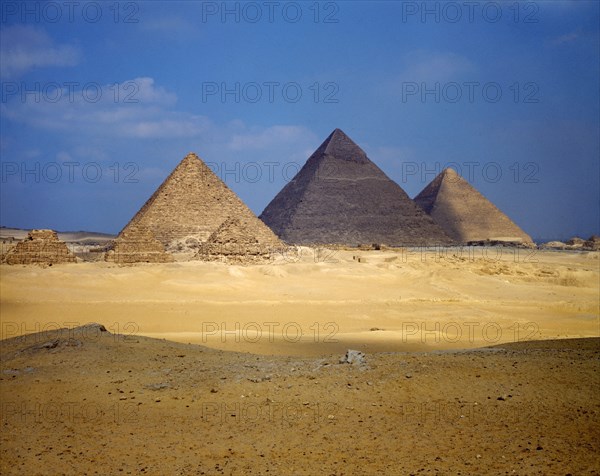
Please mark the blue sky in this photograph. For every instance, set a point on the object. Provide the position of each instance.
(101, 100)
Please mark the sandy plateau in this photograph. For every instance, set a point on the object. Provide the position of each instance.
(483, 361)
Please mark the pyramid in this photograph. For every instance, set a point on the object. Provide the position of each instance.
(240, 241)
(137, 244)
(341, 197)
(40, 247)
(464, 213)
(188, 206)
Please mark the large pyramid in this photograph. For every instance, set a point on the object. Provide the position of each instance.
(188, 206)
(341, 197)
(464, 213)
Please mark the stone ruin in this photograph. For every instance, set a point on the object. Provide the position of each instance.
(40, 247)
(240, 241)
(137, 244)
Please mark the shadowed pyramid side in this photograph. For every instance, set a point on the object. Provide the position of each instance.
(341, 197)
(464, 213)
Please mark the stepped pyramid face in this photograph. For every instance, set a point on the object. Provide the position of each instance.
(40, 247)
(189, 206)
(464, 213)
(241, 241)
(137, 244)
(341, 197)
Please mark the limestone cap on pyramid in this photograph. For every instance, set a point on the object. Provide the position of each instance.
(464, 213)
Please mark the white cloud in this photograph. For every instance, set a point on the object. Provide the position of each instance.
(264, 139)
(427, 66)
(24, 48)
(565, 39)
(136, 108)
(76, 120)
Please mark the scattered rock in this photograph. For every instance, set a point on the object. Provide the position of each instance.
(353, 357)
(158, 386)
(575, 241)
(592, 243)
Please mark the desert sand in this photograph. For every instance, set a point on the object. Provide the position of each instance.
(477, 361)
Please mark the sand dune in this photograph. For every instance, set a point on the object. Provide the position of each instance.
(390, 300)
(460, 376)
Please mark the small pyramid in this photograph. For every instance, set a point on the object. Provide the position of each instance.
(40, 247)
(188, 206)
(464, 213)
(341, 197)
(137, 244)
(240, 241)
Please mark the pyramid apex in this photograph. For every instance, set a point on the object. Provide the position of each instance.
(340, 146)
(449, 172)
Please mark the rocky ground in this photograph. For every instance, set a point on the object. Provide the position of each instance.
(86, 401)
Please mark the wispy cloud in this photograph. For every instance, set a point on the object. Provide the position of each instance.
(566, 38)
(262, 139)
(135, 109)
(423, 65)
(141, 110)
(24, 48)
